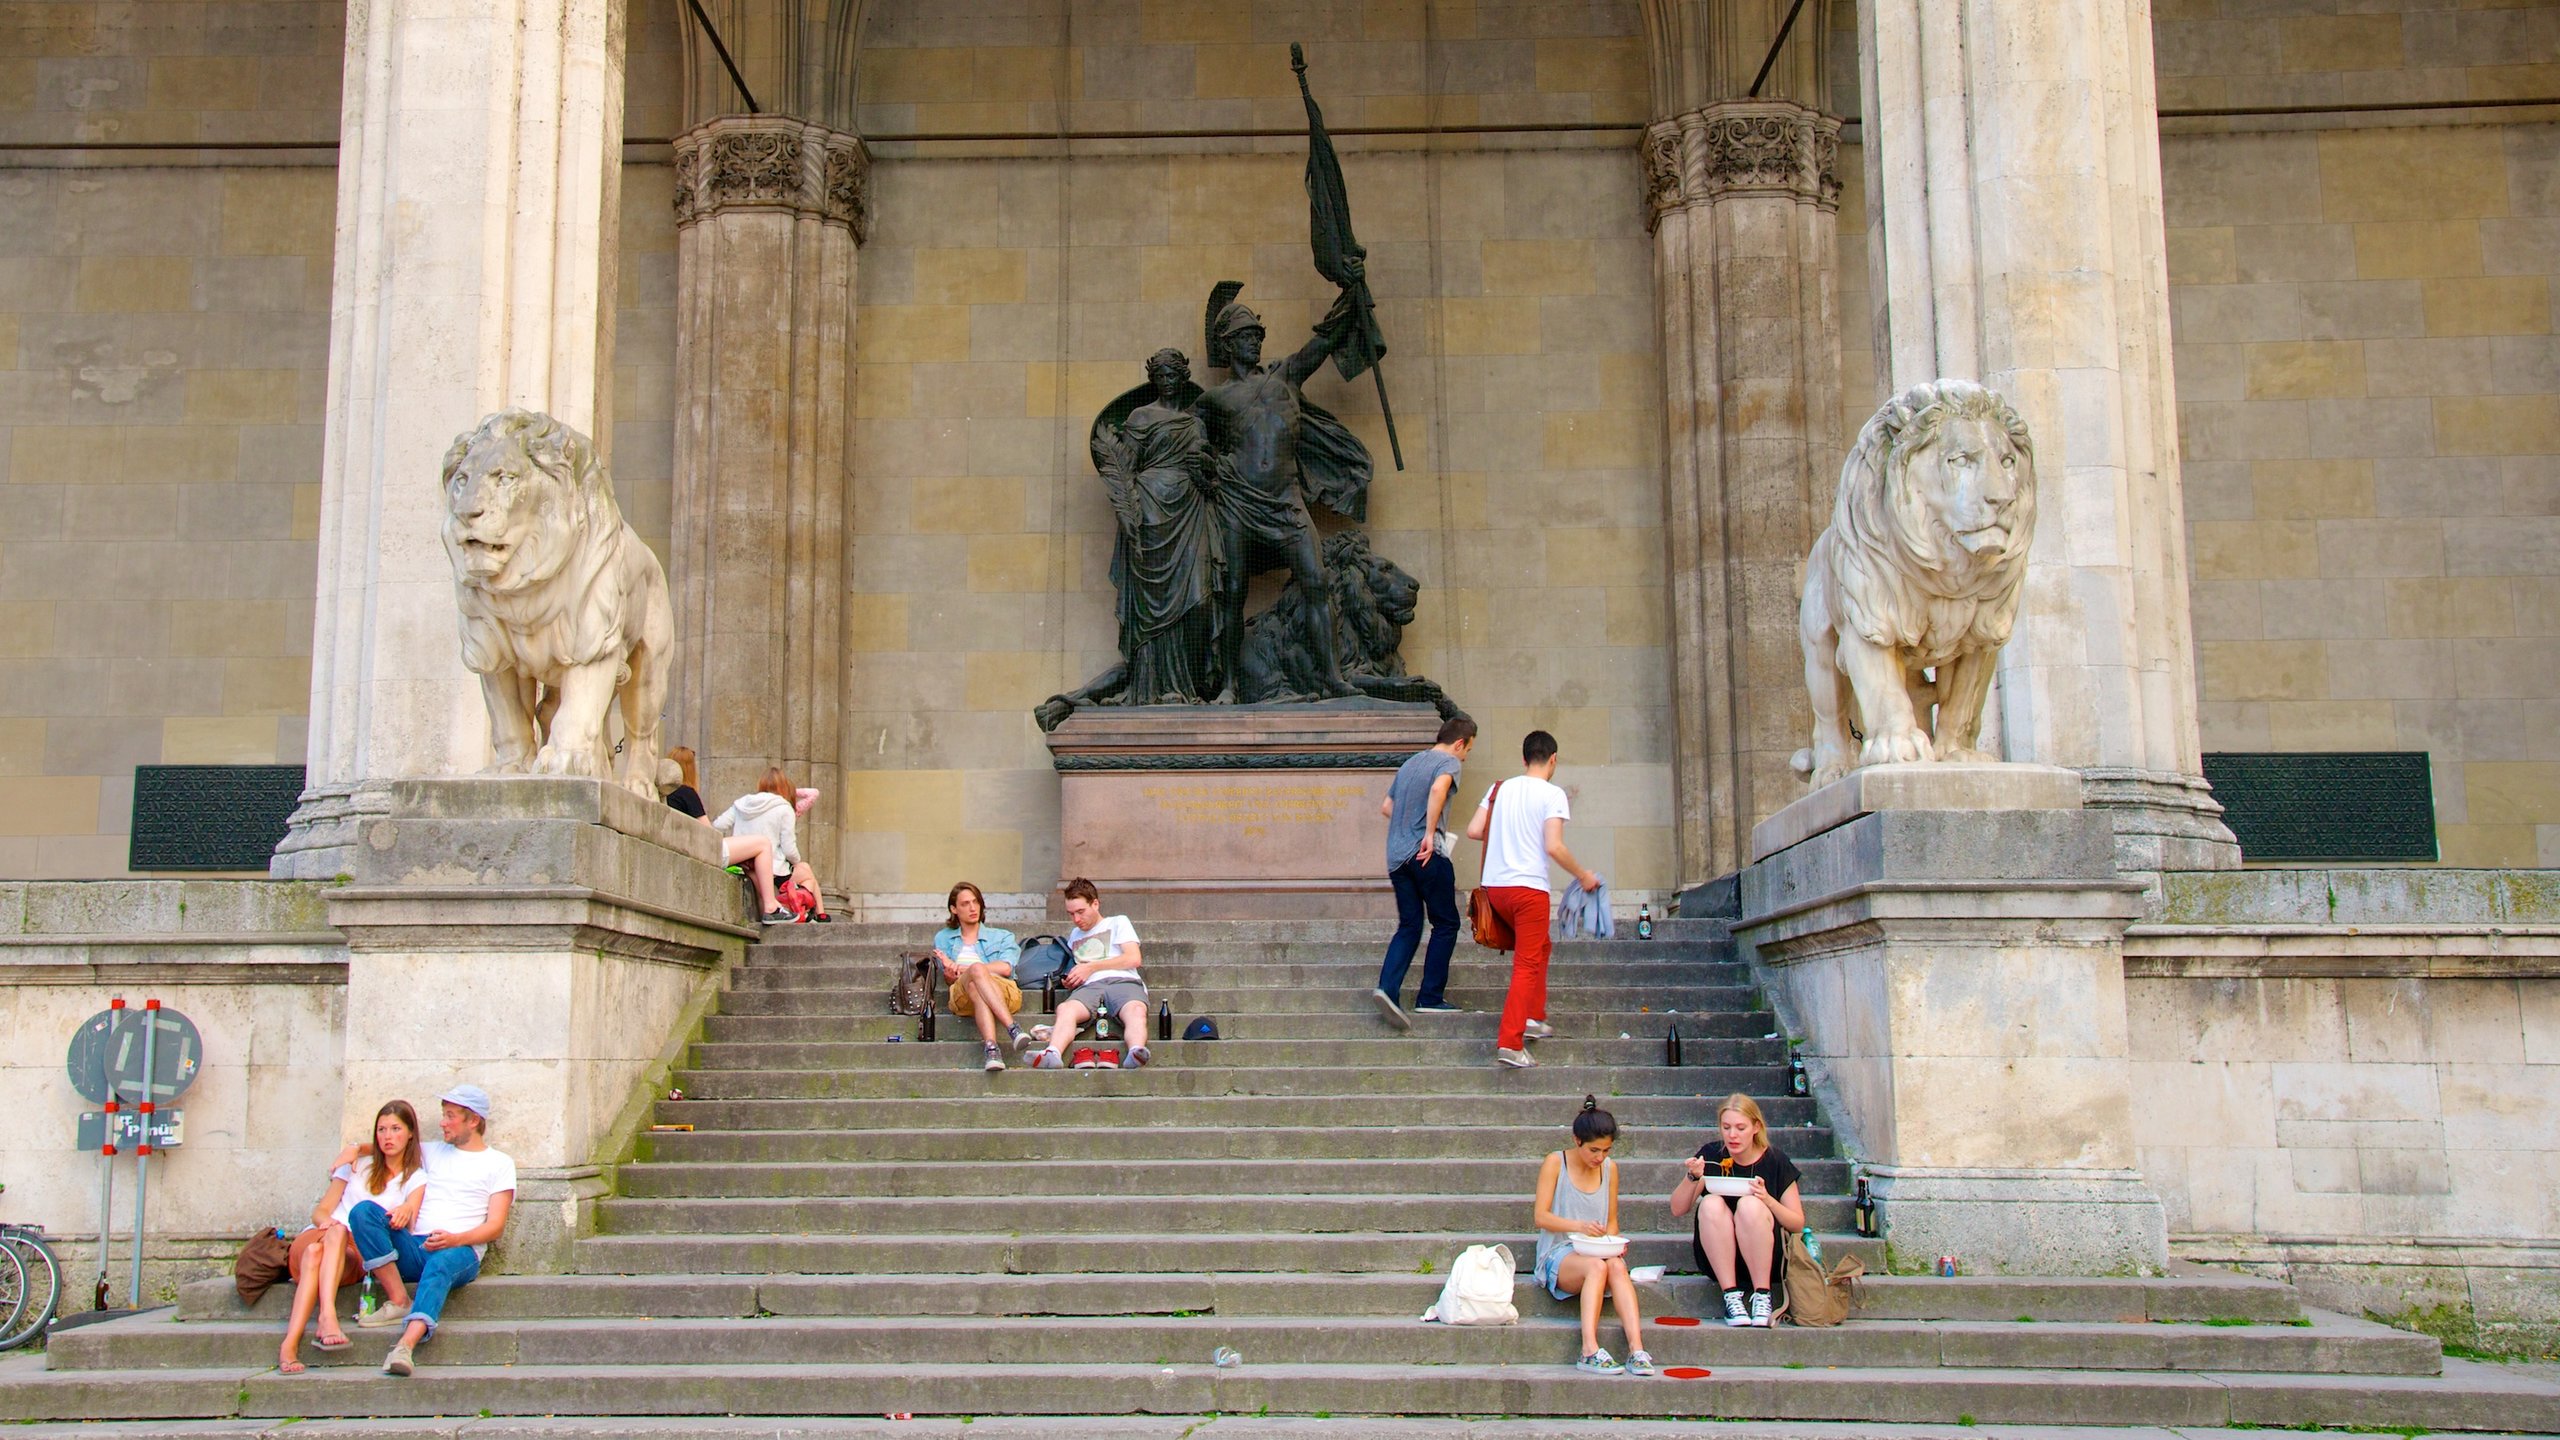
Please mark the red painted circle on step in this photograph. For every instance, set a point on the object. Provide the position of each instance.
(1688, 1372)
(1673, 1320)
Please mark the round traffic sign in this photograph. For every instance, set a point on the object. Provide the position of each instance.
(106, 1054)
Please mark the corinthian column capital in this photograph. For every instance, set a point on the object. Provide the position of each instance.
(1741, 147)
(772, 162)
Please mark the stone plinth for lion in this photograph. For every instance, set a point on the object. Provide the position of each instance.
(564, 610)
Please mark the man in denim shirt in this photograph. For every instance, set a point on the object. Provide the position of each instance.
(977, 963)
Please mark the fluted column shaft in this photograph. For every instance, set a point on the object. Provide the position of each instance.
(2016, 237)
(479, 174)
(1745, 197)
(769, 212)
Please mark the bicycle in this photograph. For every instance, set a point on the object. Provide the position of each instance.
(30, 1283)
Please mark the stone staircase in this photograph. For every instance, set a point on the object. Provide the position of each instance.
(856, 1226)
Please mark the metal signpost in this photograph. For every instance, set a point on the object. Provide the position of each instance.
(118, 1060)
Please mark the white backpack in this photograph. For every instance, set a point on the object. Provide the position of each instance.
(1479, 1289)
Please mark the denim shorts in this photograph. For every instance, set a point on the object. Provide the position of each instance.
(1545, 1274)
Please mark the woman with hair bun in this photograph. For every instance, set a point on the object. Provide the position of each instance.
(1741, 1228)
(1578, 1195)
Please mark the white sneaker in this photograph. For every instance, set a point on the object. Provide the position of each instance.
(1540, 1030)
(383, 1317)
(1389, 1010)
(1516, 1059)
(1760, 1310)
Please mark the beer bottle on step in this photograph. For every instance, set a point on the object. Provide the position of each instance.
(1865, 1209)
(1164, 1020)
(1671, 1047)
(1797, 1083)
(924, 1026)
(1644, 922)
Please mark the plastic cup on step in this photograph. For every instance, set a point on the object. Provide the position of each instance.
(1225, 1358)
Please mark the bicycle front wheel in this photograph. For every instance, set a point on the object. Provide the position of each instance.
(40, 1289)
(13, 1298)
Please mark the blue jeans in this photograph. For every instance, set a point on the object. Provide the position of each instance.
(1429, 886)
(432, 1274)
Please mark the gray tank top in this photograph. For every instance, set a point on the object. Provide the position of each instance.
(1569, 1203)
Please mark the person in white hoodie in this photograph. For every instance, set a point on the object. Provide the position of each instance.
(763, 836)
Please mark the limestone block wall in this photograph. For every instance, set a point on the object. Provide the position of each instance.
(2352, 1079)
(163, 347)
(256, 967)
(2369, 397)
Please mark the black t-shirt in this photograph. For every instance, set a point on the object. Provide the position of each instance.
(1774, 1169)
(684, 798)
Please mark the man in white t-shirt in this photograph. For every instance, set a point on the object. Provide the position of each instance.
(1104, 981)
(1521, 822)
(471, 1189)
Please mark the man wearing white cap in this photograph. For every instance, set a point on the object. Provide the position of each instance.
(470, 1190)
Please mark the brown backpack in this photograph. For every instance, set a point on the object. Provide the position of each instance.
(912, 993)
(1813, 1298)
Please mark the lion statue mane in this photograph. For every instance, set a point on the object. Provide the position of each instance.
(1373, 600)
(564, 610)
(1914, 586)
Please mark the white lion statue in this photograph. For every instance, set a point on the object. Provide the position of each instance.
(1913, 587)
(564, 611)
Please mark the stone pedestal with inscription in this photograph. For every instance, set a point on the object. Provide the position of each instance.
(1233, 811)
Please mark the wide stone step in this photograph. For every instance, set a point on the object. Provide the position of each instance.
(2226, 1300)
(1113, 1210)
(1623, 954)
(1546, 1331)
(1083, 1177)
(1244, 937)
(1378, 1050)
(1041, 1250)
(1706, 988)
(1100, 1099)
(2466, 1396)
(994, 1146)
(1567, 1006)
(1439, 1036)
(864, 1015)
(820, 1071)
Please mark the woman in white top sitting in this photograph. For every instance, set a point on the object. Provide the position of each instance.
(322, 1258)
(763, 831)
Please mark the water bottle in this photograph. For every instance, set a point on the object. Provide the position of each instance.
(1049, 993)
(1164, 1020)
(1644, 926)
(1812, 1245)
(369, 1299)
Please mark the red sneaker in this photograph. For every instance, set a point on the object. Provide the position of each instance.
(1106, 1059)
(1084, 1058)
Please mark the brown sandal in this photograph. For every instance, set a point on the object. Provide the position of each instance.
(290, 1367)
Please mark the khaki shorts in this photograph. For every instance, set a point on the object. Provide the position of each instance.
(965, 1003)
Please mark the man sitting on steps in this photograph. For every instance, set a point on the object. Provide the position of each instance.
(1105, 980)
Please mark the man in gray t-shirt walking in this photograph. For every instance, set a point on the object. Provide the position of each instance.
(1423, 878)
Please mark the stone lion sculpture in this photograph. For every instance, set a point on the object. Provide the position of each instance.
(1913, 587)
(564, 610)
(1373, 600)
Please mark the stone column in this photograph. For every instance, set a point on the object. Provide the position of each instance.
(2015, 237)
(769, 211)
(1745, 198)
(479, 170)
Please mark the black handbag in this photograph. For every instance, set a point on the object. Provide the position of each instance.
(912, 993)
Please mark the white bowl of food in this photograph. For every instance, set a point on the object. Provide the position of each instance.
(1732, 1187)
(1600, 1247)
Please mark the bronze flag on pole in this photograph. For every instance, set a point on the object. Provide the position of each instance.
(1339, 257)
